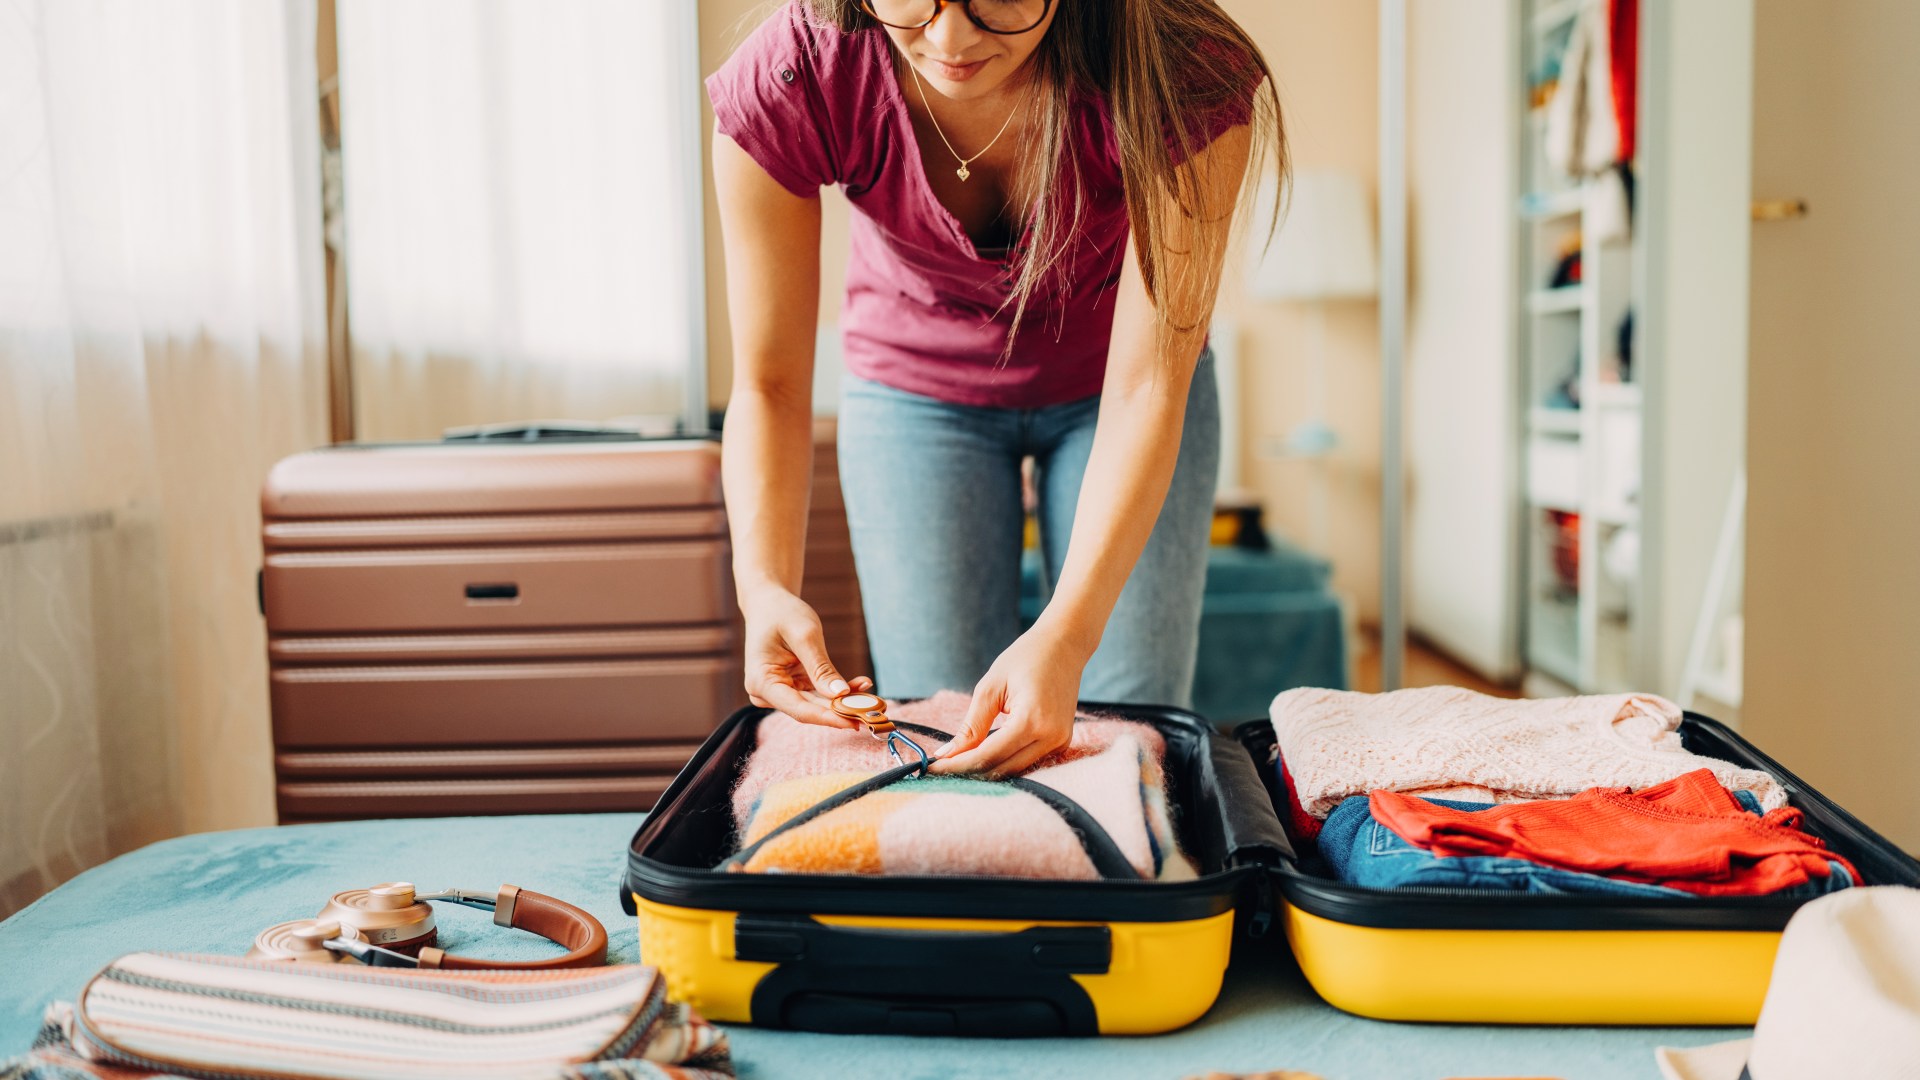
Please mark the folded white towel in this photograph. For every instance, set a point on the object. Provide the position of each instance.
(1445, 742)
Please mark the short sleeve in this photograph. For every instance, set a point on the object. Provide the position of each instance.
(770, 97)
(1224, 84)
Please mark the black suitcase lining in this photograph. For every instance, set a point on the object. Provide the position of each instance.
(1233, 838)
(1309, 885)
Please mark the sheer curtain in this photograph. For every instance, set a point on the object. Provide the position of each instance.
(522, 204)
(161, 343)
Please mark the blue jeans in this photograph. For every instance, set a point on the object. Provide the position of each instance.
(1361, 851)
(933, 504)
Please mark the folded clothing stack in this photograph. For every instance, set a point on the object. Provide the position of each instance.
(1443, 787)
(951, 825)
(1686, 837)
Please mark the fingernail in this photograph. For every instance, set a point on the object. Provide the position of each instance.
(837, 687)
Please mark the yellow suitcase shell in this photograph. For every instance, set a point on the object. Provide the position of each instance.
(1499, 958)
(1162, 975)
(1002, 958)
(995, 957)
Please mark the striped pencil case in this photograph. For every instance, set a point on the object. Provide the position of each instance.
(169, 1014)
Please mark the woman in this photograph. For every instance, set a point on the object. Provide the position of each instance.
(1043, 191)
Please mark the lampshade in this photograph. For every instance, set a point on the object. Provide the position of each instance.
(1324, 250)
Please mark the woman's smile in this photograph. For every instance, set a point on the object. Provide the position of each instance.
(953, 71)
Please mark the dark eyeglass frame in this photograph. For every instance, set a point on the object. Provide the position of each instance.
(965, 5)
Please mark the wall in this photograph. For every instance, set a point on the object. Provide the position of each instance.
(1324, 56)
(723, 25)
(1833, 580)
(1462, 145)
(1695, 191)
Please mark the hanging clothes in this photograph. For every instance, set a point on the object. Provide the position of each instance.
(1623, 40)
(1591, 117)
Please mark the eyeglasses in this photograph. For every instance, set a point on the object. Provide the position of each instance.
(993, 16)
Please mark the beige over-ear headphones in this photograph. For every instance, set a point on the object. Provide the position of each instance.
(391, 925)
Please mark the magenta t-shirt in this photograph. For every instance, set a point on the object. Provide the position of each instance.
(923, 311)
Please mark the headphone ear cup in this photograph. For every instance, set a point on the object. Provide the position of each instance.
(388, 915)
(305, 941)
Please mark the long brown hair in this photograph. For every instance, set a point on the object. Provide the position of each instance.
(1164, 68)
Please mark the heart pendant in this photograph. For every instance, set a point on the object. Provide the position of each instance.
(962, 172)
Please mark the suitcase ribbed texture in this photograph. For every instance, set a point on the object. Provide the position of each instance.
(511, 628)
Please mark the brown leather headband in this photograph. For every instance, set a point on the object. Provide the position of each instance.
(394, 924)
(572, 928)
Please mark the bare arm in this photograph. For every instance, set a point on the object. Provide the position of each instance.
(1136, 441)
(772, 244)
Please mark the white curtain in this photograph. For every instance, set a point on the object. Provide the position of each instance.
(161, 344)
(521, 209)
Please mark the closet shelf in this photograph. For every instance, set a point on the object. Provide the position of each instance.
(1617, 395)
(1546, 420)
(1564, 300)
(1543, 501)
(1581, 627)
(1553, 638)
(1548, 206)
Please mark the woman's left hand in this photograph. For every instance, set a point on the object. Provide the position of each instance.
(1031, 690)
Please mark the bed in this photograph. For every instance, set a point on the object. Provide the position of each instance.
(212, 892)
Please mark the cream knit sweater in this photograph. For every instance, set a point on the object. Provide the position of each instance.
(1445, 742)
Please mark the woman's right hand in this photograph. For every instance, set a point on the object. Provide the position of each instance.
(786, 661)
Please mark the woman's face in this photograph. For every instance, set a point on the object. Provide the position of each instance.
(962, 61)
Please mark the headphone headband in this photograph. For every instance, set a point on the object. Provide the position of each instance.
(391, 925)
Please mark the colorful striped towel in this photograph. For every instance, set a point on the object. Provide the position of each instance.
(947, 826)
(164, 1015)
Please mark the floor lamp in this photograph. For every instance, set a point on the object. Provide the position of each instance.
(1323, 253)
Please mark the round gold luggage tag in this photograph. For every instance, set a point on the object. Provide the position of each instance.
(871, 711)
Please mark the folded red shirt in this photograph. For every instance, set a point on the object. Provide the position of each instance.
(1302, 825)
(1688, 833)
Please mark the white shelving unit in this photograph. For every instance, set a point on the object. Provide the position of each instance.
(1581, 463)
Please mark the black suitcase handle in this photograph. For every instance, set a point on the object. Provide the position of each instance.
(848, 978)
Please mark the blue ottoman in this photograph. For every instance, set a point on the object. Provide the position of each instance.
(1268, 623)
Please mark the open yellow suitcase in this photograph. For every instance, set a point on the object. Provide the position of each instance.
(1006, 957)
(975, 956)
(1520, 958)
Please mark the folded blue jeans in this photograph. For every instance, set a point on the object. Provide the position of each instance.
(1361, 851)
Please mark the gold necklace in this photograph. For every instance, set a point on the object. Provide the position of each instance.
(962, 172)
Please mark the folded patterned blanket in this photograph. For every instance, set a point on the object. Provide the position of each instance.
(949, 825)
(1446, 742)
